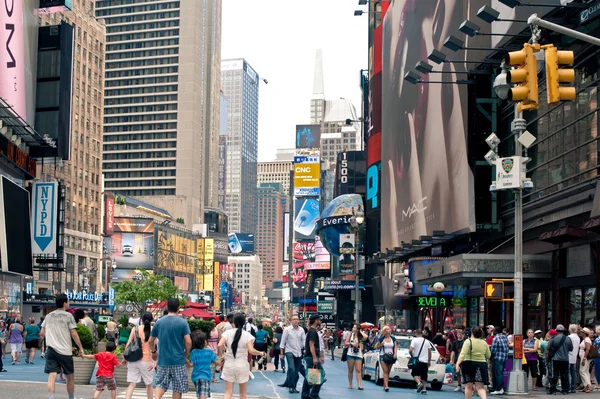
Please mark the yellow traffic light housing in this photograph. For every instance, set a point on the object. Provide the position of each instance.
(493, 290)
(526, 93)
(555, 75)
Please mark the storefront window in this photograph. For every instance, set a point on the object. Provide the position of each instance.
(575, 306)
(10, 295)
(589, 306)
(473, 312)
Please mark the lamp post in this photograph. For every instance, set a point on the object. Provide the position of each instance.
(438, 288)
(356, 221)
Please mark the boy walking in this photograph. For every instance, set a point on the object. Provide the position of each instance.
(105, 376)
(201, 359)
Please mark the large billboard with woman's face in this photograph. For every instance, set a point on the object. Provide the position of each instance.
(427, 182)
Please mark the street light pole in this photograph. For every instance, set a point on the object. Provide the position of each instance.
(438, 288)
(357, 281)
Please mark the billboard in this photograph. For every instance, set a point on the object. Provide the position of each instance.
(308, 136)
(131, 246)
(321, 258)
(307, 179)
(209, 264)
(15, 229)
(240, 243)
(350, 173)
(44, 218)
(109, 214)
(12, 57)
(428, 178)
(222, 172)
(52, 6)
(305, 218)
(286, 236)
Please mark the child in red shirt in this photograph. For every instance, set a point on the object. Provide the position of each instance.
(105, 376)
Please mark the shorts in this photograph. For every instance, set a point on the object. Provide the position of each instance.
(16, 348)
(421, 371)
(475, 372)
(356, 358)
(56, 363)
(138, 372)
(202, 388)
(176, 376)
(105, 382)
(234, 371)
(32, 344)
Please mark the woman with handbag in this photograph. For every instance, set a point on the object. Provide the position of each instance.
(142, 369)
(584, 369)
(530, 361)
(388, 354)
(472, 364)
(354, 342)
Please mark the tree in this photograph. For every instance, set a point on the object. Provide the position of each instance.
(145, 288)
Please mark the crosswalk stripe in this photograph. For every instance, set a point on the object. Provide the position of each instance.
(140, 393)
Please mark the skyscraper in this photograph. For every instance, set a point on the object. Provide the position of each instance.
(276, 172)
(240, 84)
(162, 99)
(269, 236)
(81, 175)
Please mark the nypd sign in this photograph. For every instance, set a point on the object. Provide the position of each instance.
(45, 201)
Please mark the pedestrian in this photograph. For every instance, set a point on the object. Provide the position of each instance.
(15, 339)
(173, 335)
(551, 334)
(213, 344)
(340, 340)
(42, 340)
(111, 330)
(499, 352)
(89, 323)
(32, 340)
(345, 336)
(540, 356)
(261, 344)
(355, 342)
(251, 328)
(472, 363)
(277, 336)
(573, 356)
(202, 359)
(142, 370)
(584, 370)
(58, 329)
(331, 343)
(2, 344)
(455, 353)
(530, 348)
(490, 334)
(558, 353)
(3, 334)
(423, 355)
(291, 346)
(239, 344)
(388, 354)
(105, 376)
(313, 357)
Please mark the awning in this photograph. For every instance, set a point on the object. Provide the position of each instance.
(198, 313)
(563, 234)
(593, 225)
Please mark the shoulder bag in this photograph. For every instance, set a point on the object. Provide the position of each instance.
(555, 347)
(134, 353)
(467, 365)
(414, 360)
(388, 358)
(593, 353)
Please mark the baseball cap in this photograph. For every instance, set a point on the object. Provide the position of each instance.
(538, 332)
(560, 327)
(552, 333)
(490, 326)
(313, 317)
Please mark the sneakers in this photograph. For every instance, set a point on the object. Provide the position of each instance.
(419, 388)
(423, 392)
(458, 389)
(500, 392)
(43, 355)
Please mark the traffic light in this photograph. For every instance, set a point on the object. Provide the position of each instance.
(493, 290)
(526, 93)
(555, 75)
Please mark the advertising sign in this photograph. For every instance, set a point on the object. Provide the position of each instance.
(305, 219)
(12, 59)
(222, 172)
(325, 307)
(51, 6)
(111, 298)
(321, 257)
(217, 287)
(350, 173)
(15, 229)
(133, 225)
(286, 236)
(16, 156)
(131, 246)
(209, 262)
(44, 218)
(429, 183)
(109, 214)
(307, 179)
(347, 255)
(240, 243)
(308, 136)
(341, 285)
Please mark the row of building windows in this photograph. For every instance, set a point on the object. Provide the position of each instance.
(150, 80)
(150, 191)
(142, 63)
(129, 8)
(142, 18)
(147, 173)
(141, 53)
(142, 108)
(137, 155)
(133, 91)
(141, 72)
(142, 183)
(139, 165)
(167, 29)
(140, 146)
(141, 118)
(139, 137)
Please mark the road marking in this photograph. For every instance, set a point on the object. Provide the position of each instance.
(272, 385)
(140, 393)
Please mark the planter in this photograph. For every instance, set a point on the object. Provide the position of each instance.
(84, 368)
(102, 346)
(121, 376)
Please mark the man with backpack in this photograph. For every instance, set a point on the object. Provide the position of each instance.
(558, 353)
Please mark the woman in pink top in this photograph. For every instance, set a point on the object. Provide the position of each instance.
(142, 369)
(213, 342)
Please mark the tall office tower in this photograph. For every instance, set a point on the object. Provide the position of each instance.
(223, 133)
(269, 236)
(240, 84)
(248, 278)
(81, 175)
(276, 172)
(162, 98)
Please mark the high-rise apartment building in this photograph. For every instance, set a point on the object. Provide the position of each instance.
(248, 278)
(269, 236)
(81, 175)
(275, 172)
(162, 99)
(240, 84)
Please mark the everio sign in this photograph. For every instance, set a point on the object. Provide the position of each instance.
(307, 179)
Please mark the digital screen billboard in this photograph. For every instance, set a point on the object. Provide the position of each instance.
(131, 246)
(15, 229)
(308, 136)
(307, 179)
(240, 243)
(426, 180)
(286, 236)
(305, 219)
(321, 257)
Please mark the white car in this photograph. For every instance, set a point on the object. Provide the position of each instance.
(127, 249)
(400, 372)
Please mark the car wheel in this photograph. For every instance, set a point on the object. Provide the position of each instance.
(378, 379)
(437, 386)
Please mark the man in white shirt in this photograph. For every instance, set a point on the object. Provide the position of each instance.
(573, 357)
(345, 336)
(292, 343)
(421, 348)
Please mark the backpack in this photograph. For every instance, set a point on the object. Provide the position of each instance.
(252, 331)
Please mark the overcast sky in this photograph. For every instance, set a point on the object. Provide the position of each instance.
(279, 40)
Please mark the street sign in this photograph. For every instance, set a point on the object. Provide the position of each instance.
(325, 306)
(518, 346)
(493, 290)
(111, 298)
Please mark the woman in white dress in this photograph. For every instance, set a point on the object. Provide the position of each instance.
(237, 343)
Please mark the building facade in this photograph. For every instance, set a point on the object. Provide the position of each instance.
(162, 101)
(272, 204)
(247, 278)
(276, 172)
(82, 174)
(241, 86)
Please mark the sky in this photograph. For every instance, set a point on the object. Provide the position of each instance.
(279, 40)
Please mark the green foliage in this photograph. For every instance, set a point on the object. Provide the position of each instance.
(120, 349)
(101, 331)
(180, 221)
(120, 200)
(124, 320)
(150, 288)
(85, 336)
(206, 326)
